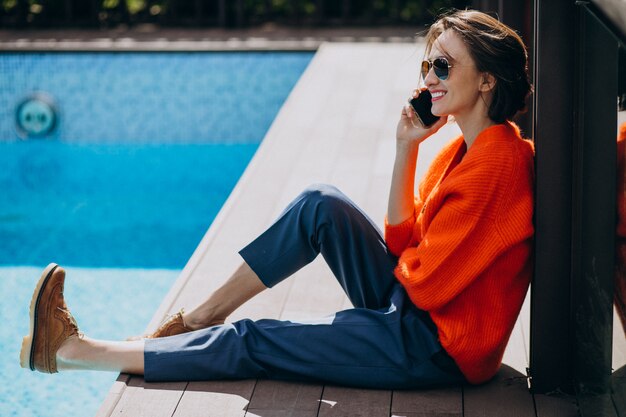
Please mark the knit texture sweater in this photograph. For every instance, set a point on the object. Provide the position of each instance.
(465, 256)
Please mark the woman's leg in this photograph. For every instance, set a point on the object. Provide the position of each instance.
(323, 220)
(320, 220)
(239, 288)
(389, 348)
(54, 342)
(83, 353)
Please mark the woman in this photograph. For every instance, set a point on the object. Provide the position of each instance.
(435, 300)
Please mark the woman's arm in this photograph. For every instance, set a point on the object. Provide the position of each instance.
(401, 193)
(409, 134)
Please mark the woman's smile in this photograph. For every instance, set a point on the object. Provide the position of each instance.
(437, 95)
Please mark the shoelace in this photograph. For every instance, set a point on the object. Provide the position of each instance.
(72, 321)
(171, 317)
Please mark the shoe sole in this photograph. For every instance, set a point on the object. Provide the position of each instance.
(26, 353)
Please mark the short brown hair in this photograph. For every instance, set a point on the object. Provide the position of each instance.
(496, 49)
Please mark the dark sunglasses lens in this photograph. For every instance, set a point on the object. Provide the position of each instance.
(425, 69)
(442, 68)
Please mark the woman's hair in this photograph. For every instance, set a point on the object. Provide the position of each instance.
(496, 49)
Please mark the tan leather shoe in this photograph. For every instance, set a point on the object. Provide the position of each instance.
(172, 325)
(51, 323)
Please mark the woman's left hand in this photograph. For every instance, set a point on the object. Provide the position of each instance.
(410, 130)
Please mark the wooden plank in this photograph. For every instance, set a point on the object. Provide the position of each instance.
(556, 405)
(420, 414)
(506, 395)
(215, 399)
(428, 402)
(285, 399)
(352, 402)
(149, 399)
(115, 393)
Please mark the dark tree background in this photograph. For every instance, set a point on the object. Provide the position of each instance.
(219, 13)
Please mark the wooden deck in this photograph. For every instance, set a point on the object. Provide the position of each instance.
(338, 127)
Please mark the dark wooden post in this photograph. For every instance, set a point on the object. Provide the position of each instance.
(553, 132)
(594, 205)
(575, 131)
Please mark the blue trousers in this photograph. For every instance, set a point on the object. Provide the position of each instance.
(384, 342)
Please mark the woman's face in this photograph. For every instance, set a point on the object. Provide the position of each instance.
(460, 94)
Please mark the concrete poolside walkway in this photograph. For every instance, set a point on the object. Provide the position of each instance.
(337, 126)
(153, 38)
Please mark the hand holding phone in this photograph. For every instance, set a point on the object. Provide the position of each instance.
(421, 105)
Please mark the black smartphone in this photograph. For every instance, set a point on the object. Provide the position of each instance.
(421, 105)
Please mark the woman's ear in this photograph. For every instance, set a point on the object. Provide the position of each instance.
(488, 82)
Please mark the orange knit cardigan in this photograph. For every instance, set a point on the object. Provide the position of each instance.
(465, 256)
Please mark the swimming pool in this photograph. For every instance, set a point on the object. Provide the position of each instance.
(144, 150)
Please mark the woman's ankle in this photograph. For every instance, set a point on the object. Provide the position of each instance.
(68, 353)
(195, 321)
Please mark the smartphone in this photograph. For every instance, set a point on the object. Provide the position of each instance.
(421, 105)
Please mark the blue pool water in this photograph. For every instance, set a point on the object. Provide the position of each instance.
(114, 205)
(152, 97)
(145, 150)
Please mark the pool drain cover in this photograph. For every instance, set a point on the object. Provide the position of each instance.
(36, 116)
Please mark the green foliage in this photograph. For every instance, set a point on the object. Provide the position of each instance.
(132, 6)
(135, 6)
(8, 4)
(110, 4)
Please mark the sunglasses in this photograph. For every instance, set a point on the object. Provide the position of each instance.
(441, 66)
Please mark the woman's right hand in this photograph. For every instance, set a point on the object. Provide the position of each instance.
(410, 130)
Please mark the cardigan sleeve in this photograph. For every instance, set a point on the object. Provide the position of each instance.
(398, 236)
